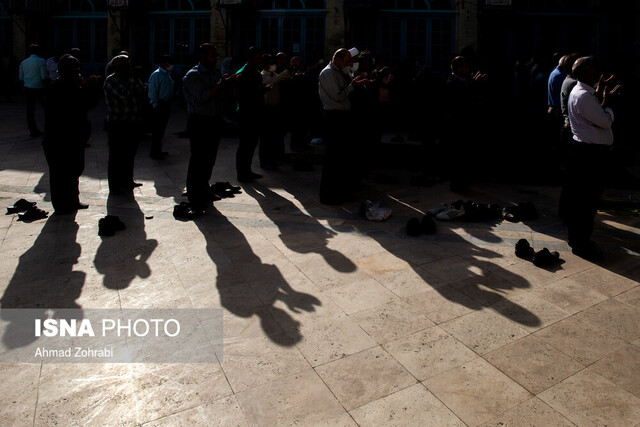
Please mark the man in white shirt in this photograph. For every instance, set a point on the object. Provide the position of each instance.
(591, 117)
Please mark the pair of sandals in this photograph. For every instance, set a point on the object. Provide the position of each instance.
(27, 211)
(184, 212)
(543, 258)
(426, 225)
(223, 190)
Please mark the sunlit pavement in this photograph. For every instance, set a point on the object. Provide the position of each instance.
(329, 319)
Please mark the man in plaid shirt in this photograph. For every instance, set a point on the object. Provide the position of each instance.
(125, 95)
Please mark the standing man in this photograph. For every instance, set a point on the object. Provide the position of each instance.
(33, 73)
(203, 91)
(591, 117)
(67, 128)
(250, 96)
(337, 184)
(125, 96)
(160, 97)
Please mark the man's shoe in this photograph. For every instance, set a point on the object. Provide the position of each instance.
(545, 258)
(80, 206)
(451, 213)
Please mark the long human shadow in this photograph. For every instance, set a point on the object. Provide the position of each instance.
(123, 257)
(473, 290)
(275, 206)
(248, 286)
(44, 279)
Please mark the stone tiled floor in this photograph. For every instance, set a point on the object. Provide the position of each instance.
(328, 319)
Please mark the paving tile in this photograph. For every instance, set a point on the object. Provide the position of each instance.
(526, 275)
(222, 412)
(413, 406)
(615, 317)
(630, 297)
(164, 389)
(85, 394)
(443, 303)
(324, 340)
(532, 363)
(621, 368)
(300, 399)
(604, 281)
(409, 281)
(476, 391)
(483, 331)
(381, 263)
(361, 295)
(533, 412)
(452, 269)
(488, 288)
(391, 321)
(587, 399)
(569, 295)
(19, 393)
(529, 311)
(580, 340)
(363, 377)
(255, 361)
(428, 353)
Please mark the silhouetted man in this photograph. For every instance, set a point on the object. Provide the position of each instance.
(33, 73)
(591, 117)
(160, 96)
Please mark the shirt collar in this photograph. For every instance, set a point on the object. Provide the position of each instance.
(586, 87)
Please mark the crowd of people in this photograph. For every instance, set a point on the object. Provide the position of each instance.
(347, 104)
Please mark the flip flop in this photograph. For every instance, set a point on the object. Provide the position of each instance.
(32, 214)
(20, 206)
(545, 258)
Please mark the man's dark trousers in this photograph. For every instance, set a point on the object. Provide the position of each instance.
(584, 187)
(204, 138)
(33, 96)
(159, 119)
(338, 180)
(123, 144)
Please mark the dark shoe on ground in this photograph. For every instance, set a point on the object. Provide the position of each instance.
(414, 228)
(428, 225)
(185, 212)
(545, 258)
(524, 250)
(248, 177)
(331, 200)
(32, 214)
(80, 206)
(20, 206)
(136, 184)
(226, 186)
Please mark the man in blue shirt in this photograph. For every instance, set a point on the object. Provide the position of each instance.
(33, 73)
(554, 87)
(160, 96)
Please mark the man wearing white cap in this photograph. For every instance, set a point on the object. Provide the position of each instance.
(337, 184)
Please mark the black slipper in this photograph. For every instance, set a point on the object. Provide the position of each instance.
(32, 214)
(226, 186)
(544, 258)
(184, 212)
(427, 225)
(524, 250)
(414, 228)
(20, 206)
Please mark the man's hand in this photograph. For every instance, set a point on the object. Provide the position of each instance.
(603, 83)
(359, 81)
(480, 77)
